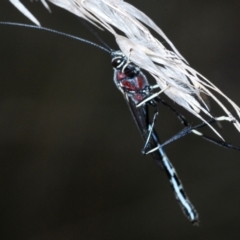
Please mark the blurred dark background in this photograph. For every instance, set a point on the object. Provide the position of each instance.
(70, 160)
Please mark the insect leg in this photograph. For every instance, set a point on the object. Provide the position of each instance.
(150, 132)
(193, 129)
(190, 129)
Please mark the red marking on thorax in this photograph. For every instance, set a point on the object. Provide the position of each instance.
(138, 97)
(121, 76)
(140, 82)
(129, 85)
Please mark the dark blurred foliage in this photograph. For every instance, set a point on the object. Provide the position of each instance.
(70, 161)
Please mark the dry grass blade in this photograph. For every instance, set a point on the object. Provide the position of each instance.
(182, 83)
(25, 11)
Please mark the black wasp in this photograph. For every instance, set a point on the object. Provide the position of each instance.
(140, 96)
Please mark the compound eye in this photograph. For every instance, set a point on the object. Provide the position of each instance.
(117, 62)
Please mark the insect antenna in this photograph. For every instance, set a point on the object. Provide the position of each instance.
(59, 33)
(86, 25)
